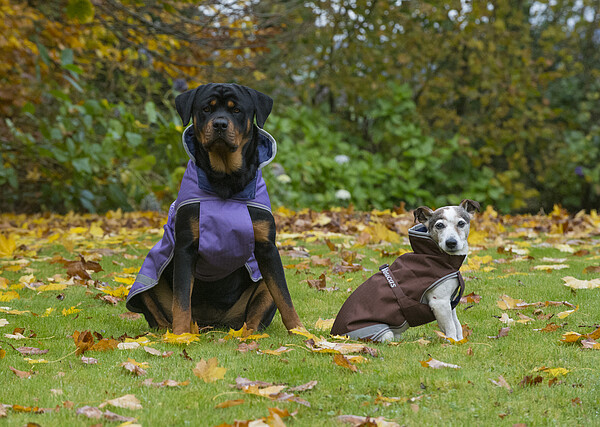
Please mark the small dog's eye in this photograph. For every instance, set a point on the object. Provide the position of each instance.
(440, 225)
(206, 109)
(461, 224)
(236, 110)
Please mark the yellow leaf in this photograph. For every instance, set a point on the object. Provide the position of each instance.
(302, 331)
(9, 296)
(508, 303)
(120, 292)
(277, 352)
(564, 314)
(4, 283)
(571, 337)
(96, 231)
(48, 311)
(186, 338)
(555, 372)
(126, 280)
(71, 310)
(208, 371)
(8, 245)
(33, 361)
(324, 325)
(51, 287)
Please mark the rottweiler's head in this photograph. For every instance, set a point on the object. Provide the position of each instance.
(223, 118)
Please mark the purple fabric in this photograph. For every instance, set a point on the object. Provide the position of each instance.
(226, 235)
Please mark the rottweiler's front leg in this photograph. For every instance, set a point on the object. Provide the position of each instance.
(186, 250)
(271, 268)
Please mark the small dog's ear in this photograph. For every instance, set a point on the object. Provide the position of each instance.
(263, 105)
(422, 214)
(471, 206)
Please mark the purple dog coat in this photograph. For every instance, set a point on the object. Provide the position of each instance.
(226, 241)
(396, 301)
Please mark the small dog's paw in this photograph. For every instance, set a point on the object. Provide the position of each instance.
(388, 336)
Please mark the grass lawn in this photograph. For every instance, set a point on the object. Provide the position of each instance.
(44, 306)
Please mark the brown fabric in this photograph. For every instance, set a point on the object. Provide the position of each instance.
(376, 302)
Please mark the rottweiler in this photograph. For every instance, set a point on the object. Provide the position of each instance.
(217, 263)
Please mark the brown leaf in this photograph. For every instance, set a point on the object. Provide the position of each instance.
(341, 360)
(592, 269)
(550, 327)
(319, 284)
(531, 381)
(229, 403)
(165, 383)
(244, 347)
(21, 374)
(84, 341)
(471, 298)
(105, 344)
(502, 333)
(111, 416)
(109, 299)
(130, 315)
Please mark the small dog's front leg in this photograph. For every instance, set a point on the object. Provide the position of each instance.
(457, 325)
(443, 314)
(185, 253)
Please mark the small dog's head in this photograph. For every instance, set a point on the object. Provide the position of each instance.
(449, 226)
(223, 116)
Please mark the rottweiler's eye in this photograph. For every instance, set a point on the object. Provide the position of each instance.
(236, 110)
(206, 109)
(440, 225)
(461, 224)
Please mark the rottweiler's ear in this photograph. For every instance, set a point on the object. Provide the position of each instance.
(471, 206)
(262, 106)
(184, 103)
(422, 214)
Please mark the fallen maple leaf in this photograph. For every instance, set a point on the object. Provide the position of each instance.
(9, 296)
(470, 298)
(208, 371)
(554, 372)
(8, 245)
(436, 364)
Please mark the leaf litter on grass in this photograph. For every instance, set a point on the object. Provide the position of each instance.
(345, 236)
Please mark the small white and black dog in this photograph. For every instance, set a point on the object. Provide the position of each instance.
(418, 287)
